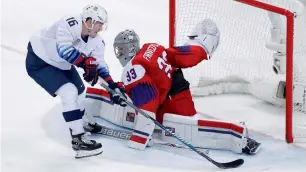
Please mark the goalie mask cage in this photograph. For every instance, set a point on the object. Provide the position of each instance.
(245, 29)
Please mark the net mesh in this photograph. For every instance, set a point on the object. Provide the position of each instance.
(245, 31)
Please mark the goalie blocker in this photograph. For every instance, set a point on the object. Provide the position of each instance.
(200, 132)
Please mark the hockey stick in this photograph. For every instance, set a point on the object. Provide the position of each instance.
(125, 135)
(232, 164)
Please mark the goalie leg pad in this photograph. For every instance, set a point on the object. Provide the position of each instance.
(142, 132)
(98, 103)
(206, 133)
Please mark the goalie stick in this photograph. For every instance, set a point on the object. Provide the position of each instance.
(125, 135)
(226, 165)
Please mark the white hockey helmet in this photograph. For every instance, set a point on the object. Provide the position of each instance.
(97, 13)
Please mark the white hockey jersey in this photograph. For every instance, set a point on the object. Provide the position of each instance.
(60, 45)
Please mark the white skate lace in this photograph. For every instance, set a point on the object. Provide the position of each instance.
(85, 139)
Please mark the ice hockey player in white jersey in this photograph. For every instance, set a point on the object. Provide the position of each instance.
(53, 53)
(155, 83)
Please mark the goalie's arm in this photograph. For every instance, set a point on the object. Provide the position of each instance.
(185, 56)
(202, 43)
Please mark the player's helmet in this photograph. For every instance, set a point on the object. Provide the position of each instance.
(126, 45)
(96, 13)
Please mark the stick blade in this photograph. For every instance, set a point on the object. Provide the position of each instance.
(232, 164)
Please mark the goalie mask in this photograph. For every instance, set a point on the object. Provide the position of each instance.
(126, 45)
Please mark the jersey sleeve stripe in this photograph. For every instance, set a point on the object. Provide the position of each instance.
(69, 53)
(103, 72)
(75, 53)
(107, 79)
(68, 50)
(75, 56)
(63, 49)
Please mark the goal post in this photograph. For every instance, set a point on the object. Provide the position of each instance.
(289, 57)
(245, 30)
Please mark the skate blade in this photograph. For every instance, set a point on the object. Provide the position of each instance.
(254, 150)
(85, 154)
(257, 149)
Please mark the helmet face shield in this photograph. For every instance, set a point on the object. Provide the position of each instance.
(118, 52)
(123, 54)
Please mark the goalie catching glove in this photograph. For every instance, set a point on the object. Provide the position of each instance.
(206, 35)
(203, 41)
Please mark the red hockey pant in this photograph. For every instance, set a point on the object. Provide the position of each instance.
(180, 104)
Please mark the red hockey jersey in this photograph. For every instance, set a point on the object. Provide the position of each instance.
(148, 76)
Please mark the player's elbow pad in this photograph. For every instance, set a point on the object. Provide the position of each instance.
(208, 42)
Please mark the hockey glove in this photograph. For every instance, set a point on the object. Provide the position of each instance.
(119, 95)
(90, 69)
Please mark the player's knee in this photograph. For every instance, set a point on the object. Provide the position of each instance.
(81, 100)
(69, 95)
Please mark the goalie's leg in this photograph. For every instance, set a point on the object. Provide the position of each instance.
(210, 134)
(202, 132)
(98, 104)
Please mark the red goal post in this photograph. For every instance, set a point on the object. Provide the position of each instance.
(290, 19)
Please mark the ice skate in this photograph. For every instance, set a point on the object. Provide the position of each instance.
(92, 127)
(252, 147)
(85, 147)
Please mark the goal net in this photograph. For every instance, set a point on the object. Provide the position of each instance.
(253, 33)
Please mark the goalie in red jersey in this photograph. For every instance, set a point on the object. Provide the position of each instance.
(154, 82)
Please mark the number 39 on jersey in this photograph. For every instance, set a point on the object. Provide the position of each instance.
(132, 73)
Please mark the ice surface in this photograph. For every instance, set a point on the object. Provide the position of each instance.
(36, 139)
